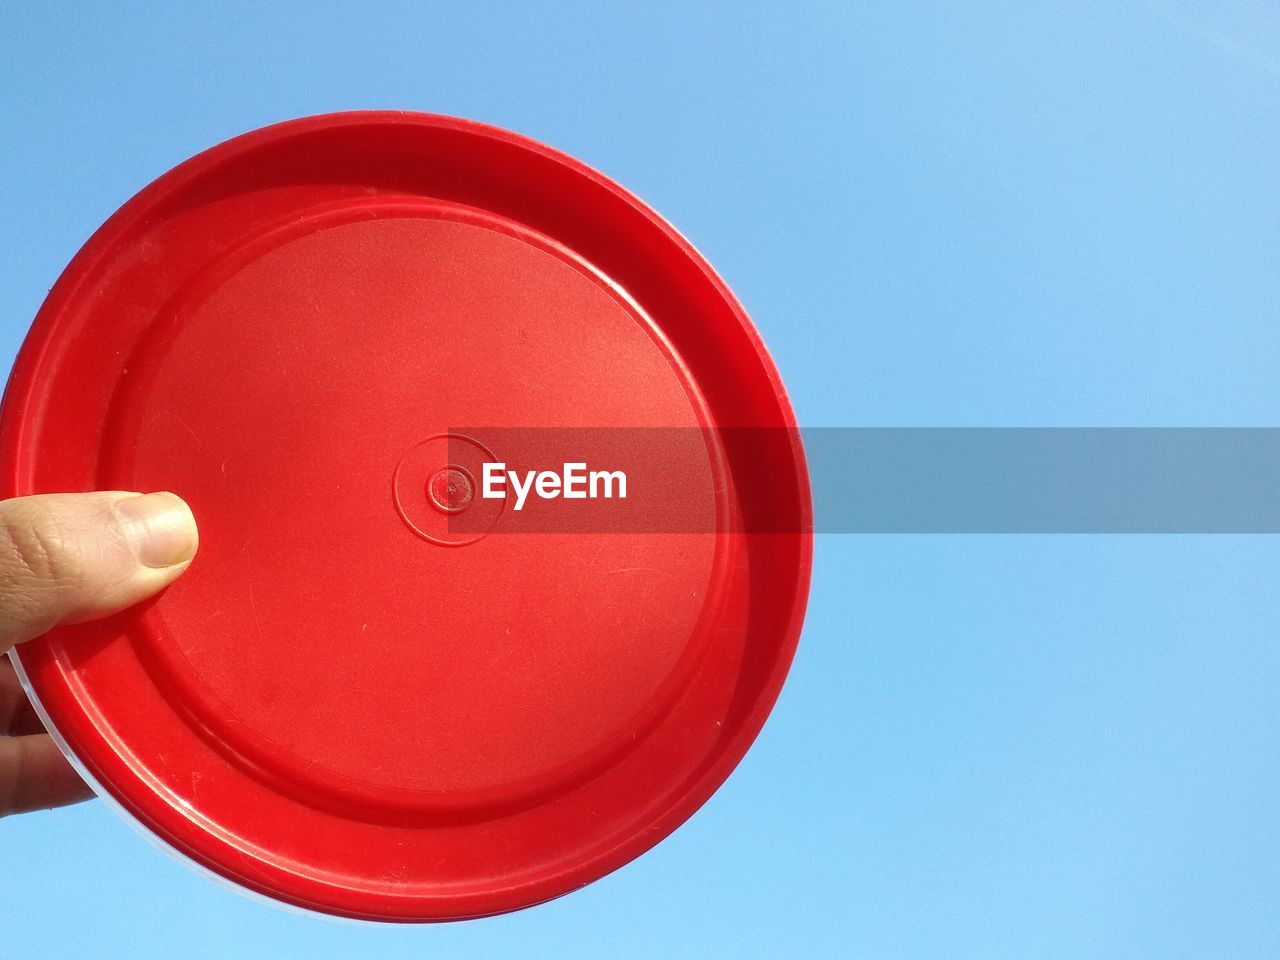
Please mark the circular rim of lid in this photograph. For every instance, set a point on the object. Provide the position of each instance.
(184, 836)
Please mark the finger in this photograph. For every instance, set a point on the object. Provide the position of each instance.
(68, 557)
(35, 776)
(17, 716)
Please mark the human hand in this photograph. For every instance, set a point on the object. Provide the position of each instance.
(67, 558)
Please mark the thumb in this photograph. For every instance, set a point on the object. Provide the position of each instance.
(68, 557)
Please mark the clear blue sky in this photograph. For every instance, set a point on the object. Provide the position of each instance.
(952, 214)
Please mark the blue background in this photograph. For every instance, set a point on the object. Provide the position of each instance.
(940, 214)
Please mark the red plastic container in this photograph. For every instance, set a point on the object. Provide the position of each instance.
(345, 704)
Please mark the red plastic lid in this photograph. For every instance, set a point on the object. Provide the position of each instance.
(347, 703)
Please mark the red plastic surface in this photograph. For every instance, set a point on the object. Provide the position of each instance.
(345, 704)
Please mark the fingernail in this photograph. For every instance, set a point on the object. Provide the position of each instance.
(159, 527)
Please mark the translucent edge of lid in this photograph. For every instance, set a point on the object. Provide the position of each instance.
(155, 839)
